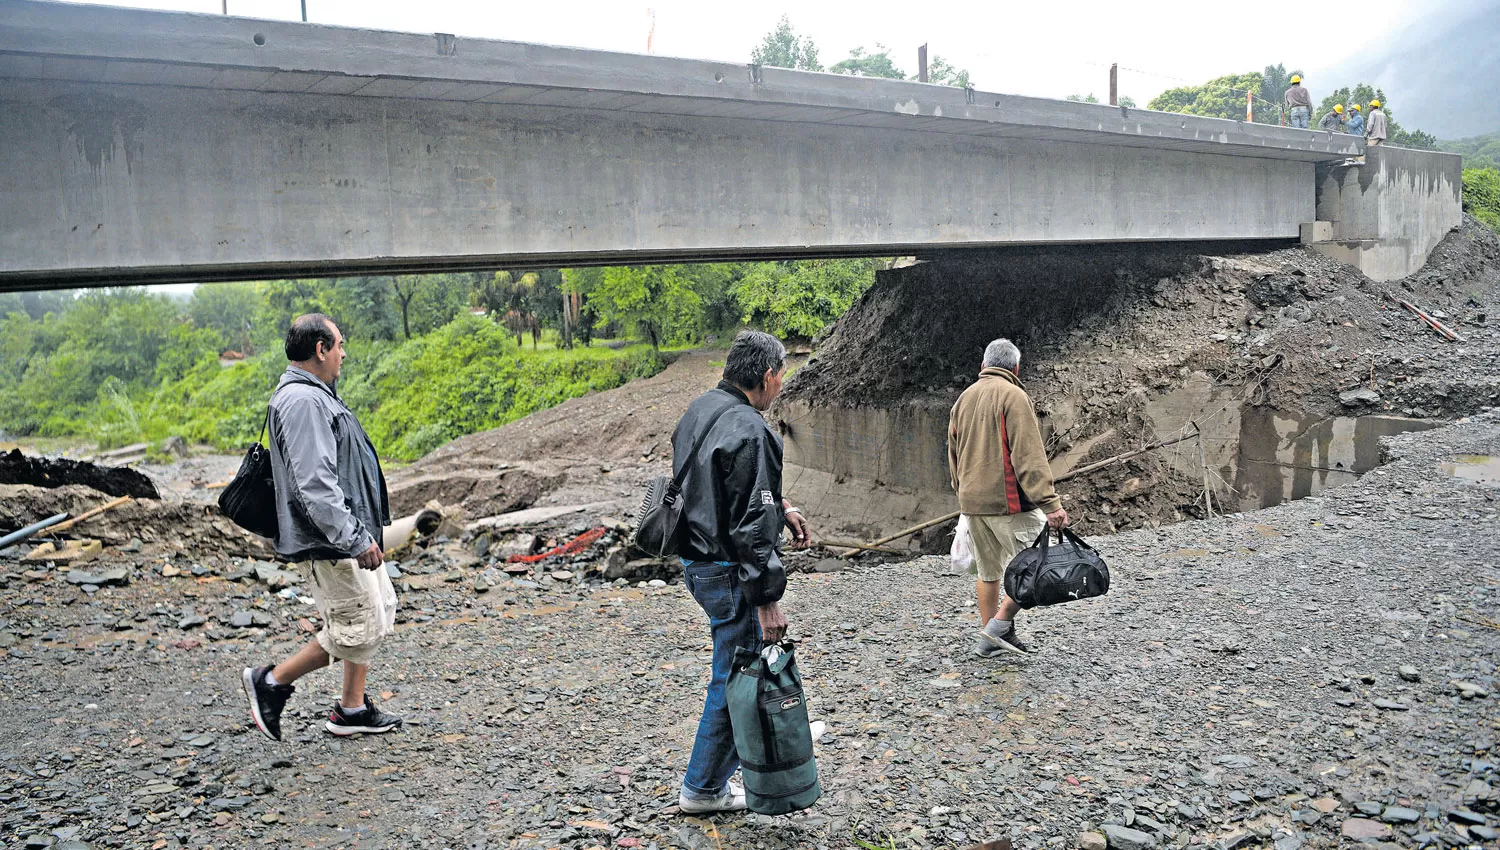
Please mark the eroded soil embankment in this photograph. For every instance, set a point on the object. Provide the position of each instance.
(1125, 344)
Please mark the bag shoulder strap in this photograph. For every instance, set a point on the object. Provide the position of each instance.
(698, 443)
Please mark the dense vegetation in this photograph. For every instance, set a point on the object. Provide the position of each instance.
(431, 357)
(1224, 97)
(1482, 195)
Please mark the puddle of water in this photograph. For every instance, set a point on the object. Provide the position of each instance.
(1483, 470)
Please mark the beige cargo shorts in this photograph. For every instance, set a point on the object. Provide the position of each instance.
(997, 539)
(358, 608)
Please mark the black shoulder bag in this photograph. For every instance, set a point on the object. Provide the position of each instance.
(1042, 574)
(656, 525)
(250, 497)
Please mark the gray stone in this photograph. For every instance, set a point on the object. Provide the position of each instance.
(1356, 398)
(191, 618)
(1400, 814)
(392, 569)
(1092, 841)
(1484, 833)
(1408, 673)
(1369, 807)
(1124, 838)
(117, 576)
(241, 620)
(226, 804)
(1390, 705)
(1469, 690)
(274, 577)
(1466, 817)
(1234, 761)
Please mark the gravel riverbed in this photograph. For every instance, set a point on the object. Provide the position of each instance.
(1310, 674)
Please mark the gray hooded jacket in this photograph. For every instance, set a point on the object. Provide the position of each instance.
(331, 500)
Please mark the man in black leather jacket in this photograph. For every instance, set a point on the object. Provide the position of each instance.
(733, 513)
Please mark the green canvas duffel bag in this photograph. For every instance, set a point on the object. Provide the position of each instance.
(771, 734)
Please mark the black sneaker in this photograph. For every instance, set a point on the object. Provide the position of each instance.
(367, 721)
(991, 645)
(266, 701)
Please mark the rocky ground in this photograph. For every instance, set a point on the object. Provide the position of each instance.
(1311, 674)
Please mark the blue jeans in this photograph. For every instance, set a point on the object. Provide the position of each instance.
(1299, 116)
(732, 622)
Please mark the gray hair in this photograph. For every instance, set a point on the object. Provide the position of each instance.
(751, 355)
(1003, 354)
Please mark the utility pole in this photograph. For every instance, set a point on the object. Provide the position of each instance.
(304, 11)
(651, 33)
(1114, 85)
(922, 63)
(1249, 107)
(225, 5)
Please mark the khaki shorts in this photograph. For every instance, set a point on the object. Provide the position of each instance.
(997, 539)
(358, 608)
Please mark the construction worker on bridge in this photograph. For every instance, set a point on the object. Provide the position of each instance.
(1298, 104)
(1355, 124)
(1377, 130)
(1333, 121)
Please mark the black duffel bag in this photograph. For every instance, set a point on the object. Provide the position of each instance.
(1047, 574)
(250, 497)
(656, 524)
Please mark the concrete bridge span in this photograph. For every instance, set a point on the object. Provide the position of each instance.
(141, 146)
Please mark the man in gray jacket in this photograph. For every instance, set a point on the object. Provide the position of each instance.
(331, 505)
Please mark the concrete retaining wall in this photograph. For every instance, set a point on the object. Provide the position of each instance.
(1389, 213)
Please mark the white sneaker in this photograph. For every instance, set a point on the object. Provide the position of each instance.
(732, 800)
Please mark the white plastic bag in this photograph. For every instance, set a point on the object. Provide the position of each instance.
(962, 552)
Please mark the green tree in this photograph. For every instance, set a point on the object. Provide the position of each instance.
(35, 304)
(862, 64)
(1078, 98)
(1275, 80)
(783, 48)
(658, 303)
(1127, 102)
(943, 73)
(507, 298)
(1221, 97)
(801, 298)
(230, 311)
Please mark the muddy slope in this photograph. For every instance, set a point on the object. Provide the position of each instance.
(1107, 330)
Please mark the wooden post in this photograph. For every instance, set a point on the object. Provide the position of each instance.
(1114, 85)
(922, 63)
(1249, 107)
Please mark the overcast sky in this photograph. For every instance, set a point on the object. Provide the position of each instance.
(1050, 49)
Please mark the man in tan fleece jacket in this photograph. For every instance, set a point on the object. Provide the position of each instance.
(999, 469)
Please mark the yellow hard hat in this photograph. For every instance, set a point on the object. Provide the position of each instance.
(1338, 107)
(1357, 109)
(1374, 104)
(1296, 78)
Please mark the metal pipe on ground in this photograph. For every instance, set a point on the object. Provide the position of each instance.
(22, 534)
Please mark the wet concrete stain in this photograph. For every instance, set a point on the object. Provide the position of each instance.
(1285, 456)
(98, 124)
